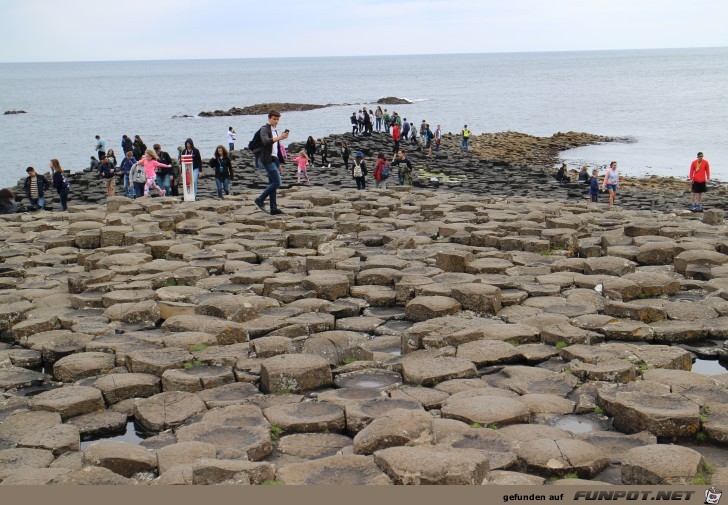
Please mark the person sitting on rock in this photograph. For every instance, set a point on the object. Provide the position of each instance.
(7, 201)
(561, 174)
(583, 175)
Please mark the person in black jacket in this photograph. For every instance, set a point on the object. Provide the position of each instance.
(324, 153)
(35, 187)
(163, 174)
(139, 147)
(126, 144)
(223, 168)
(190, 149)
(270, 160)
(310, 149)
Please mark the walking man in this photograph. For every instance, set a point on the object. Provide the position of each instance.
(438, 138)
(699, 176)
(464, 145)
(270, 160)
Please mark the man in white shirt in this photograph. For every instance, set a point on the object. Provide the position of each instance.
(231, 139)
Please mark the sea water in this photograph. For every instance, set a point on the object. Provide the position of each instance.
(672, 103)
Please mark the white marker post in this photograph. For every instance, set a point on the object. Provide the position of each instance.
(188, 178)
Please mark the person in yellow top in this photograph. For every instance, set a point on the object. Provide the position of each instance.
(465, 142)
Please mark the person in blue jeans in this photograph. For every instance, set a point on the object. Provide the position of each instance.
(125, 168)
(35, 187)
(270, 159)
(163, 175)
(465, 143)
(223, 168)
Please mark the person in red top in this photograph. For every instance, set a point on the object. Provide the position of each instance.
(699, 176)
(395, 137)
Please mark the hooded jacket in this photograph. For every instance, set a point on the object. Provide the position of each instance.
(196, 157)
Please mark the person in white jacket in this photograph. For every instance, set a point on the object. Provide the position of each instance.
(231, 138)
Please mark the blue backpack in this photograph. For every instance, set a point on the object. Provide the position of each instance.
(385, 172)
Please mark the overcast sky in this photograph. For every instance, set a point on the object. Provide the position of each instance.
(92, 30)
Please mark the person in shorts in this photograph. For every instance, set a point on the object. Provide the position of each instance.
(699, 176)
(611, 182)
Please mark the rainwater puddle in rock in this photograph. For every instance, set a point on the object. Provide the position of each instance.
(709, 367)
(368, 380)
(34, 390)
(580, 424)
(687, 296)
(130, 436)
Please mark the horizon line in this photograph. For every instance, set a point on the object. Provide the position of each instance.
(367, 55)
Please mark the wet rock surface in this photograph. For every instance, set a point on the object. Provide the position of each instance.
(405, 336)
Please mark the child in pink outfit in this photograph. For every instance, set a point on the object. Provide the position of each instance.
(150, 164)
(302, 160)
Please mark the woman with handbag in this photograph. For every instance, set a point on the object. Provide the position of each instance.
(60, 183)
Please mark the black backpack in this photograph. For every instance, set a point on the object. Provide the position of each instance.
(256, 144)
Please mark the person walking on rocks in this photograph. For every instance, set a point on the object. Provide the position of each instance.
(438, 138)
(231, 138)
(611, 182)
(404, 168)
(164, 174)
(699, 176)
(223, 168)
(191, 150)
(378, 114)
(345, 153)
(35, 187)
(100, 146)
(311, 150)
(302, 160)
(139, 147)
(359, 171)
(125, 168)
(126, 144)
(60, 183)
(106, 172)
(270, 159)
(395, 137)
(151, 164)
(405, 129)
(594, 186)
(324, 153)
(354, 125)
(381, 172)
(385, 121)
(465, 142)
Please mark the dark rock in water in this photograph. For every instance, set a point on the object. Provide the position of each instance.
(182, 116)
(393, 100)
(263, 108)
(9, 112)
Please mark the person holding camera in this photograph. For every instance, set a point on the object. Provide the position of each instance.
(270, 160)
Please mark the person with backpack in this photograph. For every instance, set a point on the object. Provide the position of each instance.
(60, 183)
(381, 172)
(270, 159)
(126, 144)
(106, 172)
(125, 168)
(138, 178)
(191, 150)
(223, 168)
(359, 171)
(139, 147)
(465, 142)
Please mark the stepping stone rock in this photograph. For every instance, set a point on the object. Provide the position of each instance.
(82, 365)
(98, 424)
(59, 439)
(615, 445)
(156, 361)
(344, 470)
(69, 401)
(337, 346)
(207, 472)
(435, 464)
(92, 476)
(664, 415)
(480, 298)
(661, 465)
(14, 461)
(197, 378)
(13, 377)
(431, 371)
(294, 373)
(119, 387)
(556, 458)
(327, 286)
(241, 416)
(507, 478)
(226, 332)
(167, 410)
(22, 423)
(313, 445)
(236, 393)
(537, 403)
(608, 265)
(716, 423)
(524, 380)
(183, 453)
(609, 370)
(307, 417)
(489, 353)
(35, 476)
(422, 308)
(230, 442)
(479, 406)
(395, 428)
(360, 414)
(120, 457)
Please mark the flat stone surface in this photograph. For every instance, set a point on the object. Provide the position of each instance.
(294, 373)
(430, 371)
(119, 387)
(19, 460)
(484, 409)
(559, 457)
(167, 410)
(395, 428)
(433, 464)
(69, 401)
(660, 465)
(22, 423)
(307, 417)
(120, 457)
(334, 470)
(313, 445)
(230, 442)
(82, 365)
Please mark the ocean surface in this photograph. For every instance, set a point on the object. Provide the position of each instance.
(671, 102)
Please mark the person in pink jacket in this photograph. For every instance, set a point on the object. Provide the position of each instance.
(150, 164)
(302, 160)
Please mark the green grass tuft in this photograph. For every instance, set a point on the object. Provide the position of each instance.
(477, 426)
(275, 432)
(193, 364)
(598, 410)
(561, 345)
(199, 347)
